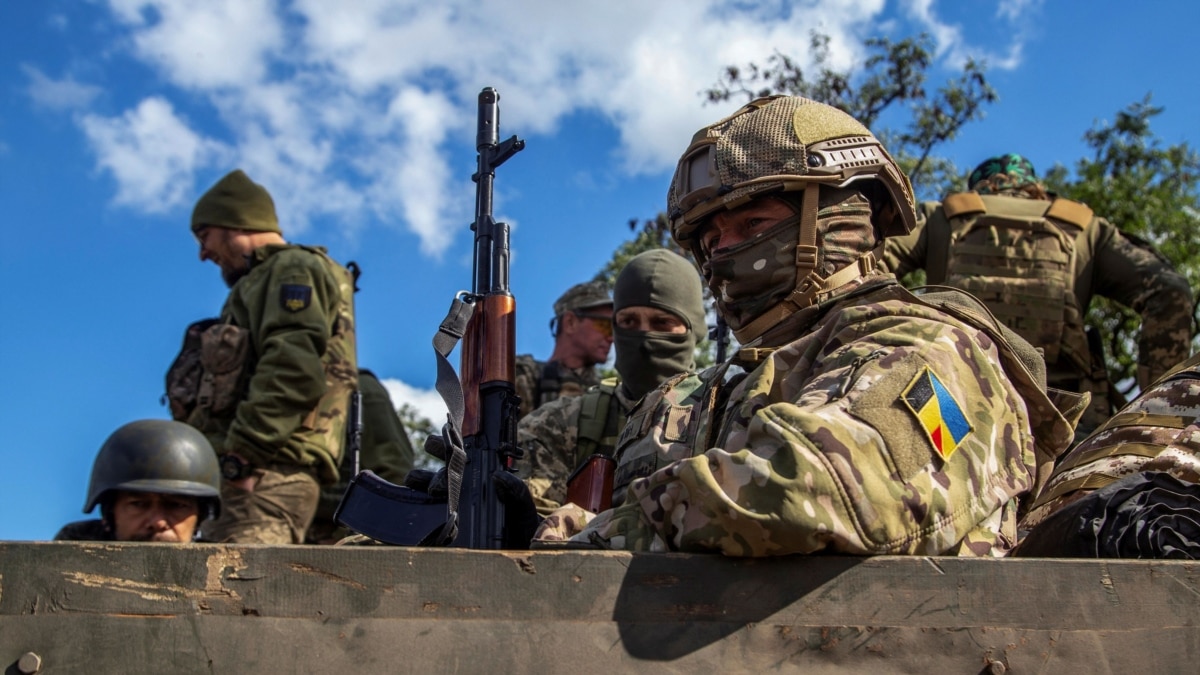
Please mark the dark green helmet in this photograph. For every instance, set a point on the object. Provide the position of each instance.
(157, 456)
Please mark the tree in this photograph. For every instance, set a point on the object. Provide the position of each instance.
(418, 427)
(890, 82)
(893, 76)
(1148, 190)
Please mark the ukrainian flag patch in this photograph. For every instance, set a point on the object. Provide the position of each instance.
(295, 297)
(937, 412)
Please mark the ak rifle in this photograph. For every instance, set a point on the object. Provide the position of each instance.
(460, 505)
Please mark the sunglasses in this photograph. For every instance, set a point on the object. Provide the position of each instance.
(602, 322)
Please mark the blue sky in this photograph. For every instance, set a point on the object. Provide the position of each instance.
(358, 117)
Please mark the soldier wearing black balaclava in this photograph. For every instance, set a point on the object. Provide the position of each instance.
(658, 318)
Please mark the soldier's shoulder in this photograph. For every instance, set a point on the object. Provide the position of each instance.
(560, 412)
(84, 530)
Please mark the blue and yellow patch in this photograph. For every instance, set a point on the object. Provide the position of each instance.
(937, 412)
(295, 297)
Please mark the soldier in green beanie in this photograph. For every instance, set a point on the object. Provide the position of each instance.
(658, 305)
(269, 382)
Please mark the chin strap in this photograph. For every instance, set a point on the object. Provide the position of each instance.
(812, 288)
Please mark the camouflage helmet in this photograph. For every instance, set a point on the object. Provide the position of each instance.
(777, 145)
(1003, 172)
(781, 144)
(159, 456)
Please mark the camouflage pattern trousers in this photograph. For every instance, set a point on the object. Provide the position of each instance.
(277, 511)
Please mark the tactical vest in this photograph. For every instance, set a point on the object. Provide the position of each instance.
(673, 422)
(600, 420)
(1018, 256)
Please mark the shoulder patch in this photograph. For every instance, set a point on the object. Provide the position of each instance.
(295, 297)
(937, 412)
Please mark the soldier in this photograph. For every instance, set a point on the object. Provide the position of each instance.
(386, 450)
(659, 318)
(274, 373)
(154, 480)
(1036, 261)
(865, 420)
(1132, 488)
(582, 329)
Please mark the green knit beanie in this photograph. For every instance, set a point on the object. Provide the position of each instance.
(236, 203)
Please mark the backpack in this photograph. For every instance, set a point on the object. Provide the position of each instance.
(1018, 257)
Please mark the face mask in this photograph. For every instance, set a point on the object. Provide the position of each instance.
(646, 360)
(750, 277)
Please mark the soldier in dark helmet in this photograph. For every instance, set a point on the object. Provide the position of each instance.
(154, 480)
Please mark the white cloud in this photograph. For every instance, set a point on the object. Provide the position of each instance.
(427, 402)
(347, 108)
(210, 44)
(64, 94)
(1013, 16)
(151, 152)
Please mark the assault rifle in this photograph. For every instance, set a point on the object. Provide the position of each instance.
(461, 505)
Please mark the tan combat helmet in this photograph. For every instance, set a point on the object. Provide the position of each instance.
(782, 144)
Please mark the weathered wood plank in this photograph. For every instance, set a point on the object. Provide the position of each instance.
(207, 608)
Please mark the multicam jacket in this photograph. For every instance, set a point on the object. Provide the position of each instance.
(887, 425)
(1102, 261)
(1158, 431)
(550, 437)
(297, 305)
(540, 382)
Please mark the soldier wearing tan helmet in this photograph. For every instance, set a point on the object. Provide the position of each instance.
(856, 418)
(1037, 260)
(154, 481)
(583, 334)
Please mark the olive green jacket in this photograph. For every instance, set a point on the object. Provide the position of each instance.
(298, 305)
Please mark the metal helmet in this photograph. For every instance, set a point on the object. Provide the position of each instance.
(781, 144)
(160, 456)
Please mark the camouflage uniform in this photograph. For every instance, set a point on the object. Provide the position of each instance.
(540, 382)
(1106, 262)
(1157, 433)
(866, 420)
(296, 308)
(386, 450)
(550, 438)
(656, 280)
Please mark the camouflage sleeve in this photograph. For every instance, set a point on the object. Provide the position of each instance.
(548, 436)
(291, 325)
(902, 255)
(904, 438)
(1134, 274)
(386, 448)
(527, 373)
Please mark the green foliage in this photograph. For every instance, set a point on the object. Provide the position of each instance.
(418, 427)
(891, 80)
(1148, 190)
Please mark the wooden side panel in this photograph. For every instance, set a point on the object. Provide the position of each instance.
(206, 608)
